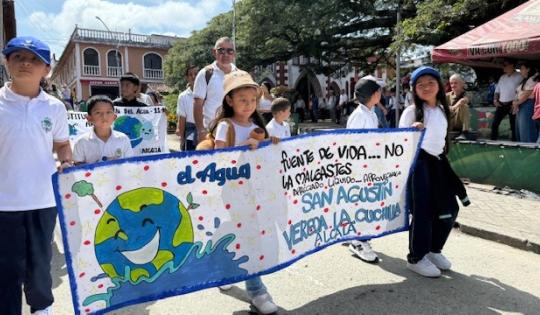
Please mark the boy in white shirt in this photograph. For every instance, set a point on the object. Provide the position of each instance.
(102, 143)
(278, 126)
(368, 94)
(33, 125)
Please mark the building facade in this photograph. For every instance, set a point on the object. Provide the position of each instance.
(296, 74)
(94, 60)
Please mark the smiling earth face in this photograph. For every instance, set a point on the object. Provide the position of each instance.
(142, 229)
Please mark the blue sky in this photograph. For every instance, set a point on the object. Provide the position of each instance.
(53, 21)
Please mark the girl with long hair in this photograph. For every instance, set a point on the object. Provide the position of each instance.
(433, 184)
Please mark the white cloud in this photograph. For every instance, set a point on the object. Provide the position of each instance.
(162, 17)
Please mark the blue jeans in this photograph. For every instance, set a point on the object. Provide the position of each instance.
(255, 287)
(525, 125)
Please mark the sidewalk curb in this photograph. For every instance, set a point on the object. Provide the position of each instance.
(522, 244)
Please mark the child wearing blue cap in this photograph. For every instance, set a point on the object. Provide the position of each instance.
(33, 124)
(433, 185)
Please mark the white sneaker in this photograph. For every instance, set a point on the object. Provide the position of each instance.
(425, 268)
(46, 311)
(439, 260)
(263, 304)
(363, 250)
(225, 287)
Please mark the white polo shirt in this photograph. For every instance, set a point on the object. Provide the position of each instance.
(279, 131)
(89, 148)
(212, 92)
(184, 105)
(436, 126)
(28, 128)
(506, 88)
(363, 118)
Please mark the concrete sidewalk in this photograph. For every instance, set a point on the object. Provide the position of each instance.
(501, 216)
(497, 215)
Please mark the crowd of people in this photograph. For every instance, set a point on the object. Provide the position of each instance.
(223, 105)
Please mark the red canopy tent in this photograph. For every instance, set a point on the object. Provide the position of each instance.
(515, 34)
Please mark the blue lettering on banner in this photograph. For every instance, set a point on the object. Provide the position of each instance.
(355, 193)
(213, 174)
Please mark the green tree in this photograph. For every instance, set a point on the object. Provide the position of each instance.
(333, 33)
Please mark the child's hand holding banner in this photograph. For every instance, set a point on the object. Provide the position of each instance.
(150, 227)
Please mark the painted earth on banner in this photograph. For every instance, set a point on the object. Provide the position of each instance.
(149, 227)
(146, 127)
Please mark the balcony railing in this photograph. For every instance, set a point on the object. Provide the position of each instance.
(123, 38)
(91, 70)
(153, 74)
(114, 71)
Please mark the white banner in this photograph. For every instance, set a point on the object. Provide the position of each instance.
(146, 127)
(149, 227)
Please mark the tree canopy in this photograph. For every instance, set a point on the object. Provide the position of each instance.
(332, 33)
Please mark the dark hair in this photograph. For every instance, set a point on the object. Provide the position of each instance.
(364, 90)
(509, 61)
(131, 77)
(226, 111)
(267, 85)
(441, 98)
(91, 103)
(280, 104)
(532, 72)
(191, 66)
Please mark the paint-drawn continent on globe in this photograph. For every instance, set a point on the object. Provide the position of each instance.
(140, 232)
(130, 126)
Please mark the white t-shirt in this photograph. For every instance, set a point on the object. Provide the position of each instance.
(409, 99)
(89, 148)
(241, 133)
(212, 92)
(184, 106)
(436, 126)
(145, 98)
(279, 131)
(506, 88)
(28, 128)
(265, 105)
(529, 86)
(343, 99)
(363, 118)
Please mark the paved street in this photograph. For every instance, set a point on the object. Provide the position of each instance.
(487, 278)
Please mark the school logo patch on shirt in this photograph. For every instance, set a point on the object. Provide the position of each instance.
(46, 124)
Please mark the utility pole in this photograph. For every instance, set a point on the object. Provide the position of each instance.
(234, 23)
(116, 54)
(398, 65)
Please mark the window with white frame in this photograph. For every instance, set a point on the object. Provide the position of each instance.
(91, 62)
(153, 66)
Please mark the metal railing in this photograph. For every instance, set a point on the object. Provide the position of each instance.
(91, 70)
(114, 71)
(123, 38)
(153, 74)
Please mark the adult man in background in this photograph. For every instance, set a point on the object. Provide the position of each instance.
(459, 101)
(505, 94)
(208, 86)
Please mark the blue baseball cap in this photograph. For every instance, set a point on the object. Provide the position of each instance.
(423, 70)
(30, 44)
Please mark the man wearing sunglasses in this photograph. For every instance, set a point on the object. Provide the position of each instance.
(208, 88)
